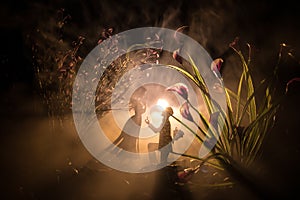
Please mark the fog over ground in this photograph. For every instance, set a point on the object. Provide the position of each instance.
(42, 156)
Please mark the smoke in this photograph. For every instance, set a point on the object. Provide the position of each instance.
(43, 160)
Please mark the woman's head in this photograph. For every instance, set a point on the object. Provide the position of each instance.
(168, 111)
(137, 101)
(138, 107)
(139, 94)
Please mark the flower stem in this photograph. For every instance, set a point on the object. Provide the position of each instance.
(200, 115)
(186, 126)
(200, 159)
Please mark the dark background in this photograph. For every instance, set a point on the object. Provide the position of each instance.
(214, 24)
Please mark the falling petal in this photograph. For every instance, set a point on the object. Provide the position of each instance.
(176, 56)
(185, 112)
(100, 41)
(283, 44)
(75, 170)
(110, 30)
(218, 88)
(180, 29)
(216, 64)
(185, 175)
(180, 88)
(291, 81)
(234, 43)
(157, 36)
(106, 33)
(226, 179)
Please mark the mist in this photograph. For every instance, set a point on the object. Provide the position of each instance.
(42, 156)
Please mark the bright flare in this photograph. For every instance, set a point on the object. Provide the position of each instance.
(163, 103)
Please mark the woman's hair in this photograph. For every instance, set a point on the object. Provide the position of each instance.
(138, 93)
(136, 98)
(137, 106)
(169, 110)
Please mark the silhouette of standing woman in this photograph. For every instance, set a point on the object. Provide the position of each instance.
(128, 140)
(165, 139)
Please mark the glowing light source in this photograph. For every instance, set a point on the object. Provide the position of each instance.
(163, 103)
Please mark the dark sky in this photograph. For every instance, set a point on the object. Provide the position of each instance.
(261, 23)
(214, 24)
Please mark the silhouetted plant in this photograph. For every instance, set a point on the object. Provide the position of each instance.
(247, 121)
